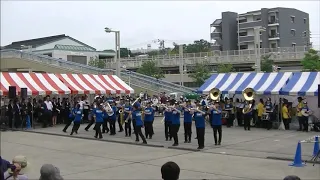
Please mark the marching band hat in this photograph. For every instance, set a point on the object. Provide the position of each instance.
(176, 102)
(216, 102)
(167, 100)
(187, 100)
(127, 100)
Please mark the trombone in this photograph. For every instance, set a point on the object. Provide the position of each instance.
(135, 101)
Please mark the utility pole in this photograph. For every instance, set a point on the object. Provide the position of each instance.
(181, 64)
(257, 46)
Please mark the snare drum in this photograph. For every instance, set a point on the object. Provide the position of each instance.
(265, 117)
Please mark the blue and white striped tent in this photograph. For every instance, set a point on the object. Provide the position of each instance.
(235, 83)
(302, 84)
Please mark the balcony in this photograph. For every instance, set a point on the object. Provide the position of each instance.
(274, 22)
(216, 23)
(246, 38)
(216, 35)
(250, 24)
(274, 37)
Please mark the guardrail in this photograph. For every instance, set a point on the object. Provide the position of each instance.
(164, 85)
(217, 57)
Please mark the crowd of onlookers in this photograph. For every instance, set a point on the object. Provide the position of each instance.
(17, 170)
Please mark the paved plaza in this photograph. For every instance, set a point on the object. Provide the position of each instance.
(242, 155)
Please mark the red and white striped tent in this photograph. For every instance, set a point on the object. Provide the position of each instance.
(36, 83)
(95, 84)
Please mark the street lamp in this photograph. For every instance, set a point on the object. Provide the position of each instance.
(257, 47)
(117, 44)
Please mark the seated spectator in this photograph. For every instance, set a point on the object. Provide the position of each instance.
(292, 178)
(16, 170)
(50, 172)
(170, 171)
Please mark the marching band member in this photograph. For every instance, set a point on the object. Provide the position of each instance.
(305, 116)
(148, 120)
(113, 119)
(187, 121)
(286, 116)
(55, 111)
(260, 110)
(86, 110)
(127, 116)
(136, 115)
(247, 115)
(175, 125)
(229, 108)
(299, 114)
(269, 109)
(70, 120)
(77, 119)
(98, 114)
(120, 106)
(167, 121)
(216, 122)
(91, 116)
(199, 117)
(203, 101)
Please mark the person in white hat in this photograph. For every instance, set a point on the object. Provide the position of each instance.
(18, 169)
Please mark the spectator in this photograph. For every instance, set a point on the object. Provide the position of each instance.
(17, 169)
(170, 171)
(50, 172)
(292, 178)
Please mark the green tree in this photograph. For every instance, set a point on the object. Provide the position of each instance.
(96, 62)
(311, 61)
(125, 52)
(150, 68)
(200, 73)
(225, 68)
(196, 47)
(266, 64)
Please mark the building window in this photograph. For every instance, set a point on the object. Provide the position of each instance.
(244, 46)
(293, 32)
(304, 33)
(242, 20)
(304, 20)
(260, 44)
(293, 45)
(292, 19)
(273, 45)
(272, 19)
(243, 33)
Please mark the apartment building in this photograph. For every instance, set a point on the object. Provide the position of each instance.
(283, 27)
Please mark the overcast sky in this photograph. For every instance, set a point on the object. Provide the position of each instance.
(140, 22)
